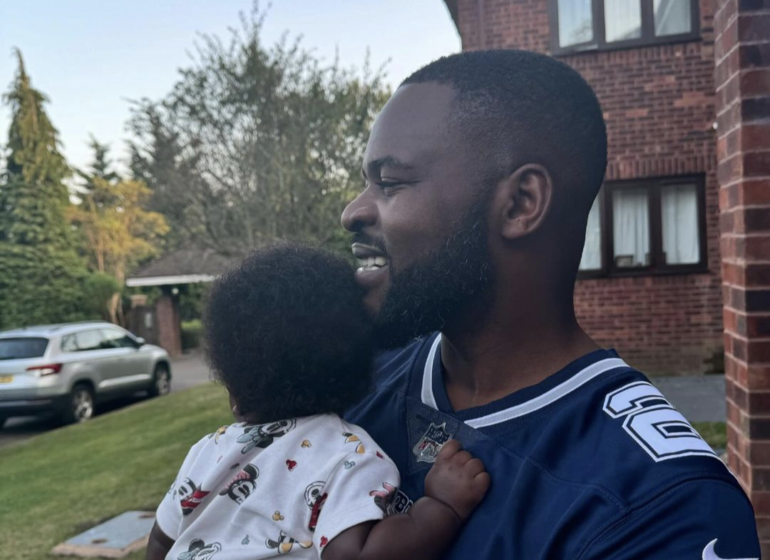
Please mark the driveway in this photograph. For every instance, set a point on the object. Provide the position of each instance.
(188, 371)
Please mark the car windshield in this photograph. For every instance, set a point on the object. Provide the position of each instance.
(22, 348)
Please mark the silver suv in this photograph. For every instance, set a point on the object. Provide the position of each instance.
(68, 368)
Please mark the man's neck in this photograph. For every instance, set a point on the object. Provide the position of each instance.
(507, 355)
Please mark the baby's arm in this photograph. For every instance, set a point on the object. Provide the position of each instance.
(453, 488)
(159, 544)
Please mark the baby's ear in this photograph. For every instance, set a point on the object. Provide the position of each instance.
(251, 470)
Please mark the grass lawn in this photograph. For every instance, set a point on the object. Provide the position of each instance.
(61, 483)
(715, 433)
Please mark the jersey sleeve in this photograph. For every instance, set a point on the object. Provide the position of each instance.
(706, 519)
(169, 513)
(360, 488)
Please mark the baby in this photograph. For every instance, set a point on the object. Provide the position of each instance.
(288, 336)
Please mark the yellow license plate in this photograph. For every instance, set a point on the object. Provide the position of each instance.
(6, 378)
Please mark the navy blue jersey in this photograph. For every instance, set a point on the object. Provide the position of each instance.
(591, 464)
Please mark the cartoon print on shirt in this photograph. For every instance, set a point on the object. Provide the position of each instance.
(284, 544)
(190, 496)
(263, 435)
(306, 443)
(315, 500)
(353, 438)
(199, 550)
(384, 498)
(278, 517)
(218, 433)
(243, 485)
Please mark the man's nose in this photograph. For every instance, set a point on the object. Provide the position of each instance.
(360, 213)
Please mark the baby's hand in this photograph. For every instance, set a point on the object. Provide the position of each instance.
(457, 479)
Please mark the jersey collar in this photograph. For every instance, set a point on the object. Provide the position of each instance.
(520, 403)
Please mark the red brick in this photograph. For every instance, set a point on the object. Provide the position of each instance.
(755, 82)
(753, 27)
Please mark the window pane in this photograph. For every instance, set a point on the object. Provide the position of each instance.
(576, 24)
(22, 348)
(89, 340)
(592, 250)
(631, 228)
(679, 219)
(672, 17)
(622, 20)
(114, 338)
(69, 344)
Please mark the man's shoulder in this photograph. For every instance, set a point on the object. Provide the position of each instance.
(620, 434)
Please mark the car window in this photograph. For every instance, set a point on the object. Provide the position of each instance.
(22, 348)
(113, 338)
(89, 340)
(69, 343)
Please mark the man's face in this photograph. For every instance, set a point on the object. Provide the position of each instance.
(420, 225)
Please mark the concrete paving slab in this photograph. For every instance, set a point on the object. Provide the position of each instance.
(116, 538)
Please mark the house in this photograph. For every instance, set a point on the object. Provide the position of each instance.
(161, 322)
(650, 282)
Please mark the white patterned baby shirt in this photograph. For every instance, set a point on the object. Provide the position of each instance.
(289, 487)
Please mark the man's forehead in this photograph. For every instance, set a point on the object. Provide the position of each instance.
(412, 125)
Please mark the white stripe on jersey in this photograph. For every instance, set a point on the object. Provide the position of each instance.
(427, 376)
(549, 397)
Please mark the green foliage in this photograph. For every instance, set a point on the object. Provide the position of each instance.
(256, 143)
(192, 331)
(33, 196)
(715, 433)
(97, 293)
(42, 276)
(39, 285)
(122, 461)
(192, 298)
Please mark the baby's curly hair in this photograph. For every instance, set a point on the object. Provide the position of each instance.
(287, 333)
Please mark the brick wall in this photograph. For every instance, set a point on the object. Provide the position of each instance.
(742, 53)
(659, 104)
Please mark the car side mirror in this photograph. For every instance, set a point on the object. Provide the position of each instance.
(140, 342)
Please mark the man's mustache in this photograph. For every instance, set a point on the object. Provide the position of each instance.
(363, 239)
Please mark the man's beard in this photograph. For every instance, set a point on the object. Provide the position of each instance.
(449, 284)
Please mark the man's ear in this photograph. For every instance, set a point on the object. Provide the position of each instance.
(522, 200)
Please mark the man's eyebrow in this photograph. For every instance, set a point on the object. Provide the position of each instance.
(374, 166)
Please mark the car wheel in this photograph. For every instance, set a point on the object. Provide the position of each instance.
(161, 381)
(81, 405)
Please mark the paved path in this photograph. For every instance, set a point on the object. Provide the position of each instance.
(188, 371)
(699, 398)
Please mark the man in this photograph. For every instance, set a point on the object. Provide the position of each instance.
(480, 173)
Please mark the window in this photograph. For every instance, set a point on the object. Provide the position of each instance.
(113, 338)
(646, 227)
(578, 25)
(22, 348)
(87, 340)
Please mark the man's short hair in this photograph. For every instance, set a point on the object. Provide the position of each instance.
(525, 107)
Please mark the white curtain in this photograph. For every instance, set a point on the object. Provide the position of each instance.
(672, 17)
(575, 22)
(631, 227)
(592, 250)
(679, 209)
(622, 20)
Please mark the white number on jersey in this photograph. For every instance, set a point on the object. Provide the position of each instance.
(654, 424)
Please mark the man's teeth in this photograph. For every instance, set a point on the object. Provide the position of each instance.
(372, 263)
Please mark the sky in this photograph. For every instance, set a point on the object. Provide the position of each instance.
(91, 57)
